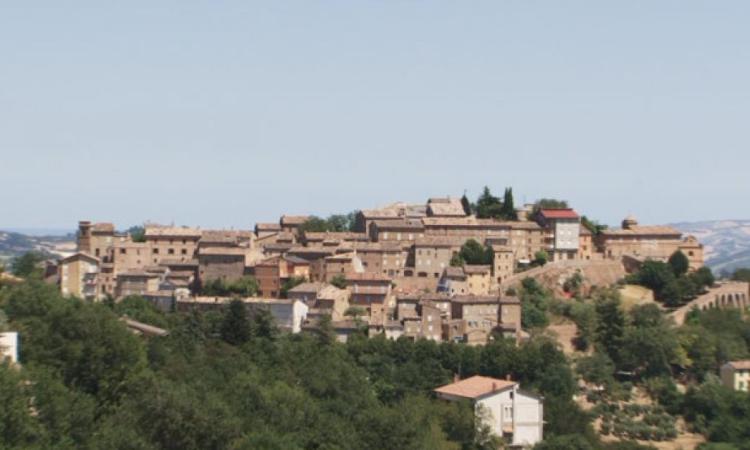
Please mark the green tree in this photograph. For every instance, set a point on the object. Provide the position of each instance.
(593, 226)
(611, 322)
(679, 263)
(246, 286)
(27, 265)
(18, 429)
(235, 328)
(472, 252)
(457, 260)
(597, 368)
(314, 224)
(339, 281)
(488, 206)
(137, 233)
(508, 210)
(468, 208)
(741, 274)
(540, 258)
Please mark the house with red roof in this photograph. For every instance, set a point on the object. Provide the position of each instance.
(562, 232)
(509, 412)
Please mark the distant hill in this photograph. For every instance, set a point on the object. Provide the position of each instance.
(15, 244)
(727, 242)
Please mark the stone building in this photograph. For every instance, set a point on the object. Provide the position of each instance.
(225, 263)
(167, 242)
(445, 207)
(503, 264)
(648, 241)
(432, 254)
(272, 272)
(403, 230)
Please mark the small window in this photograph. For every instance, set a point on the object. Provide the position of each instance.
(184, 251)
(170, 251)
(155, 251)
(123, 251)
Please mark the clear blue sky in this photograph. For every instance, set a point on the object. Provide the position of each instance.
(226, 113)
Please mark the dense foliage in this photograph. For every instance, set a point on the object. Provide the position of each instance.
(334, 222)
(232, 381)
(670, 281)
(246, 286)
(488, 206)
(472, 252)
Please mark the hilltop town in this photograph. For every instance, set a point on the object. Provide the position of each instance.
(502, 327)
(445, 270)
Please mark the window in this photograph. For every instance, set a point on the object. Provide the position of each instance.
(170, 251)
(155, 251)
(123, 251)
(184, 251)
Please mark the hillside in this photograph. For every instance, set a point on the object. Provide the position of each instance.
(727, 242)
(15, 244)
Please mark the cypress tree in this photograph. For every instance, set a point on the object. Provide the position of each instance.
(235, 328)
(466, 204)
(509, 209)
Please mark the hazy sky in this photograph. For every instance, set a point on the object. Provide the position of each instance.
(225, 113)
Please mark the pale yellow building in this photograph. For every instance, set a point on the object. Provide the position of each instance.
(78, 275)
(736, 375)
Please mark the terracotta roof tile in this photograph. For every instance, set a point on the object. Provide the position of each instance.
(475, 387)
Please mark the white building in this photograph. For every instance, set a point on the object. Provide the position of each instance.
(9, 347)
(563, 228)
(510, 413)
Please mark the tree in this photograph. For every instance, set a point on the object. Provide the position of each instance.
(679, 263)
(597, 368)
(264, 325)
(457, 260)
(246, 286)
(18, 429)
(488, 206)
(610, 330)
(508, 210)
(593, 226)
(466, 204)
(235, 328)
(339, 281)
(27, 265)
(741, 274)
(472, 252)
(656, 276)
(137, 233)
(540, 258)
(314, 224)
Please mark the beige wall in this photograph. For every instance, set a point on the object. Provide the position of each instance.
(74, 280)
(431, 260)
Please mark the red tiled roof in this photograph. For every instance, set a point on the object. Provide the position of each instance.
(475, 387)
(559, 213)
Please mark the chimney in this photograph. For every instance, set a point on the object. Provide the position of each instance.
(507, 377)
(494, 386)
(456, 378)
